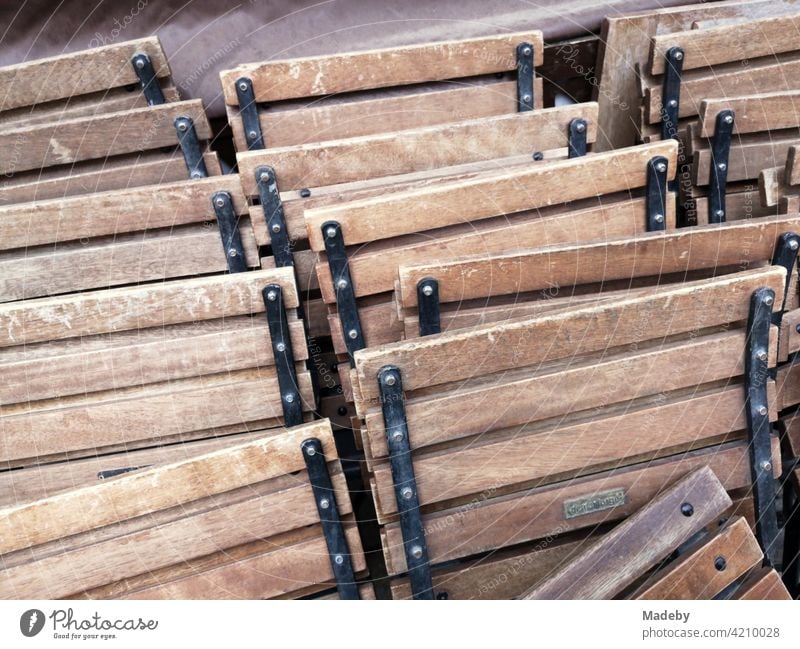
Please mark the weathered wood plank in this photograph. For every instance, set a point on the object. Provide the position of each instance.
(648, 254)
(792, 171)
(745, 159)
(611, 324)
(497, 194)
(763, 584)
(100, 136)
(331, 74)
(140, 307)
(620, 557)
(767, 111)
(399, 152)
(59, 77)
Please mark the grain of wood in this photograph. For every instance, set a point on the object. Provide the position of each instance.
(763, 584)
(792, 171)
(622, 556)
(767, 111)
(745, 160)
(350, 71)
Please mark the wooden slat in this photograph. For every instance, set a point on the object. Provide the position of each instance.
(140, 493)
(536, 453)
(115, 212)
(745, 159)
(622, 556)
(768, 111)
(399, 152)
(495, 522)
(737, 42)
(101, 136)
(763, 584)
(58, 77)
(738, 206)
(694, 575)
(139, 307)
(498, 194)
(645, 255)
(537, 340)
(331, 74)
(792, 171)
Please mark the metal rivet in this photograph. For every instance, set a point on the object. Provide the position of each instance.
(768, 300)
(538, 155)
(672, 103)
(353, 334)
(140, 62)
(264, 177)
(331, 232)
(339, 559)
(762, 410)
(243, 86)
(272, 296)
(324, 503)
(687, 509)
(276, 228)
(661, 167)
(793, 245)
(678, 56)
(310, 450)
(182, 126)
(761, 355)
(219, 202)
(526, 51)
(397, 436)
(289, 398)
(232, 252)
(720, 563)
(719, 214)
(722, 166)
(427, 290)
(580, 127)
(390, 379)
(341, 284)
(407, 493)
(280, 347)
(305, 192)
(766, 465)
(728, 119)
(252, 135)
(658, 218)
(526, 98)
(416, 551)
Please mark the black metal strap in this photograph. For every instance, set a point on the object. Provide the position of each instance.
(758, 424)
(332, 530)
(273, 214)
(785, 255)
(657, 193)
(151, 88)
(405, 484)
(346, 304)
(718, 175)
(190, 145)
(577, 137)
(283, 355)
(525, 77)
(671, 93)
(248, 109)
(229, 232)
(428, 307)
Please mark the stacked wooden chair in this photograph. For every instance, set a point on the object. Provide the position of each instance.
(667, 551)
(100, 119)
(267, 516)
(485, 443)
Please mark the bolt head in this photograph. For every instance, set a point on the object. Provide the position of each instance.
(678, 56)
(722, 166)
(580, 127)
(353, 334)
(272, 296)
(416, 551)
(289, 398)
(140, 62)
(719, 214)
(219, 202)
(538, 155)
(232, 252)
(196, 174)
(341, 284)
(311, 451)
(526, 98)
(390, 379)
(768, 300)
(276, 228)
(762, 410)
(407, 493)
(252, 135)
(281, 347)
(339, 559)
(397, 436)
(330, 232)
(264, 177)
(182, 126)
(527, 51)
(658, 218)
(720, 564)
(324, 503)
(793, 245)
(672, 103)
(243, 86)
(427, 290)
(661, 167)
(728, 119)
(687, 509)
(761, 355)
(766, 466)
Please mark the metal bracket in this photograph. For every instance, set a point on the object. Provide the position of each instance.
(428, 307)
(332, 530)
(671, 93)
(110, 473)
(718, 175)
(525, 77)
(190, 145)
(248, 109)
(758, 425)
(343, 286)
(577, 137)
(657, 193)
(151, 88)
(785, 255)
(283, 355)
(273, 214)
(229, 232)
(390, 385)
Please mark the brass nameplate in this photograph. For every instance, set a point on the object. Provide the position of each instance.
(594, 503)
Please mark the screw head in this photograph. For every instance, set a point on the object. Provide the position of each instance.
(272, 296)
(264, 177)
(768, 300)
(719, 214)
(289, 398)
(687, 509)
(353, 334)
(766, 466)
(243, 86)
(427, 290)
(330, 232)
(580, 127)
(305, 192)
(196, 174)
(762, 410)
(416, 551)
(797, 328)
(324, 503)
(538, 155)
(720, 564)
(728, 119)
(793, 245)
(658, 218)
(526, 98)
(219, 202)
(232, 252)
(140, 62)
(661, 167)
(276, 228)
(722, 166)
(252, 135)
(672, 103)
(341, 284)
(182, 126)
(397, 436)
(281, 347)
(407, 493)
(527, 51)
(678, 56)
(761, 355)
(311, 451)
(339, 559)
(390, 379)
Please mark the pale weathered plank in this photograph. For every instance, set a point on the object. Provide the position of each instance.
(763, 584)
(768, 111)
(745, 159)
(347, 72)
